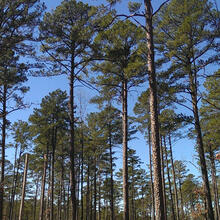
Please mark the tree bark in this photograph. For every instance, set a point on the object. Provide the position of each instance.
(163, 179)
(43, 188)
(151, 174)
(200, 147)
(13, 186)
(4, 121)
(95, 191)
(174, 178)
(214, 182)
(111, 173)
(35, 197)
(125, 149)
(23, 188)
(169, 181)
(88, 193)
(158, 193)
(72, 146)
(82, 176)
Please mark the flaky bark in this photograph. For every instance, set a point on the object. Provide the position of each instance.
(158, 194)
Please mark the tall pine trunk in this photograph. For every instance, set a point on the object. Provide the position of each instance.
(4, 121)
(41, 212)
(72, 147)
(82, 176)
(158, 193)
(169, 181)
(23, 188)
(200, 147)
(95, 191)
(125, 149)
(35, 197)
(163, 179)
(174, 178)
(151, 174)
(214, 182)
(11, 204)
(111, 173)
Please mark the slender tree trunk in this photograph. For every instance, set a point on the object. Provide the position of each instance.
(53, 141)
(214, 182)
(100, 217)
(4, 121)
(72, 146)
(111, 173)
(23, 188)
(125, 150)
(48, 212)
(163, 179)
(168, 176)
(158, 193)
(14, 206)
(174, 179)
(68, 202)
(11, 205)
(82, 176)
(35, 197)
(200, 147)
(88, 193)
(181, 198)
(151, 174)
(95, 191)
(41, 215)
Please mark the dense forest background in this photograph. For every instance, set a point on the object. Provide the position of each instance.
(132, 86)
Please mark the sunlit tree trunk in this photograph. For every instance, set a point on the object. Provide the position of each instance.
(23, 187)
(158, 193)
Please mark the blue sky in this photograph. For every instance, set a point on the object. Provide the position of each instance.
(41, 86)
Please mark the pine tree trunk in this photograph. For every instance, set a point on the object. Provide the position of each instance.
(151, 174)
(163, 179)
(35, 197)
(4, 121)
(174, 179)
(72, 147)
(95, 191)
(158, 193)
(82, 168)
(169, 181)
(41, 212)
(125, 150)
(214, 182)
(111, 173)
(48, 189)
(11, 205)
(14, 205)
(88, 193)
(53, 141)
(23, 188)
(99, 208)
(200, 147)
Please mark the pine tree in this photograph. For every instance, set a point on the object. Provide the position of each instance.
(122, 69)
(67, 34)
